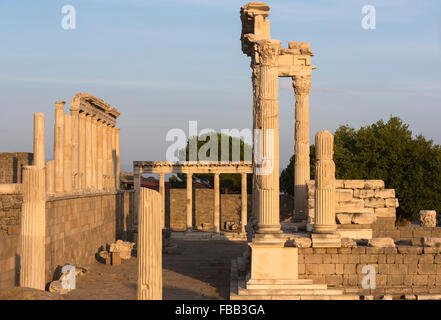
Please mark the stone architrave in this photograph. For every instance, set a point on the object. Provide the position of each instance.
(59, 146)
(33, 229)
(302, 85)
(149, 246)
(325, 229)
(39, 140)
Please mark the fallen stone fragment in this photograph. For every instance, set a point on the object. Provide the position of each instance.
(428, 218)
(124, 248)
(381, 243)
(348, 243)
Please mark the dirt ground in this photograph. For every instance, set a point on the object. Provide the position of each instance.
(200, 270)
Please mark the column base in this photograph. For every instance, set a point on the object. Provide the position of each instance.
(326, 240)
(269, 229)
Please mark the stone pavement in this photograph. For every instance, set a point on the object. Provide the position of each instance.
(198, 271)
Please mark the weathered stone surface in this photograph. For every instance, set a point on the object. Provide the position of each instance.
(428, 218)
(374, 184)
(385, 212)
(124, 248)
(432, 242)
(344, 194)
(381, 243)
(20, 293)
(385, 193)
(374, 202)
(363, 193)
(349, 206)
(302, 242)
(363, 218)
(392, 203)
(348, 243)
(344, 218)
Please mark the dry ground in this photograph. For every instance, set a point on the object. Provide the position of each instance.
(198, 271)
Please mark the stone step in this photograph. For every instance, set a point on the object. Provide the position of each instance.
(295, 297)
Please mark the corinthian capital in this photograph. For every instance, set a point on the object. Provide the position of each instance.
(268, 51)
(301, 84)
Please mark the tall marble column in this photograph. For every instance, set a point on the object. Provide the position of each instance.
(94, 153)
(189, 201)
(110, 165)
(82, 151)
(216, 215)
(89, 152)
(33, 229)
(325, 229)
(105, 162)
(244, 196)
(267, 120)
(301, 85)
(162, 193)
(68, 177)
(59, 146)
(137, 176)
(50, 177)
(39, 140)
(149, 246)
(100, 162)
(118, 159)
(75, 115)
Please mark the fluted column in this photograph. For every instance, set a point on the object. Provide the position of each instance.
(75, 116)
(244, 209)
(39, 140)
(82, 151)
(216, 215)
(255, 81)
(50, 177)
(150, 246)
(94, 153)
(162, 193)
(267, 120)
(325, 228)
(302, 85)
(33, 229)
(68, 177)
(110, 167)
(118, 159)
(105, 162)
(100, 163)
(189, 201)
(137, 175)
(89, 173)
(59, 146)
(114, 160)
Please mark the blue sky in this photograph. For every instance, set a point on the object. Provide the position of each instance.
(163, 63)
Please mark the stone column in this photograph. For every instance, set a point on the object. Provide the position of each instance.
(301, 85)
(68, 177)
(33, 229)
(89, 167)
(50, 177)
(137, 176)
(39, 140)
(105, 162)
(189, 201)
(114, 186)
(150, 246)
(82, 151)
(94, 153)
(244, 211)
(59, 146)
(75, 116)
(162, 193)
(216, 215)
(325, 228)
(267, 120)
(100, 162)
(118, 159)
(110, 167)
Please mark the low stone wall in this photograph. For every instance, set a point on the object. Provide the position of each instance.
(11, 166)
(203, 208)
(413, 233)
(9, 261)
(401, 270)
(360, 204)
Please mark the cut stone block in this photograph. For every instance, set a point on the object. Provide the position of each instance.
(432, 242)
(381, 243)
(363, 218)
(392, 203)
(344, 195)
(374, 202)
(344, 218)
(385, 212)
(385, 193)
(349, 206)
(428, 218)
(363, 193)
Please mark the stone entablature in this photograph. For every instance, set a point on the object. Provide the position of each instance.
(192, 167)
(93, 106)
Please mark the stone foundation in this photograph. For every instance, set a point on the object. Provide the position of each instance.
(11, 166)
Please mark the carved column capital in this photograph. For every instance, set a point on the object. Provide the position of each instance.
(301, 84)
(268, 51)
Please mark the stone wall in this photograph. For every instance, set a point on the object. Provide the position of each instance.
(360, 204)
(8, 261)
(11, 166)
(412, 233)
(401, 270)
(203, 208)
(10, 208)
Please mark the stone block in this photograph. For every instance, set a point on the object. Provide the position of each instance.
(363, 193)
(374, 202)
(425, 258)
(392, 203)
(385, 193)
(428, 218)
(381, 242)
(426, 268)
(343, 195)
(420, 280)
(363, 218)
(388, 212)
(354, 205)
(344, 218)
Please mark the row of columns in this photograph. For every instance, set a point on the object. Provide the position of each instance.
(86, 153)
(189, 199)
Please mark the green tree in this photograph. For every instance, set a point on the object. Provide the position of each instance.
(387, 151)
(228, 182)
